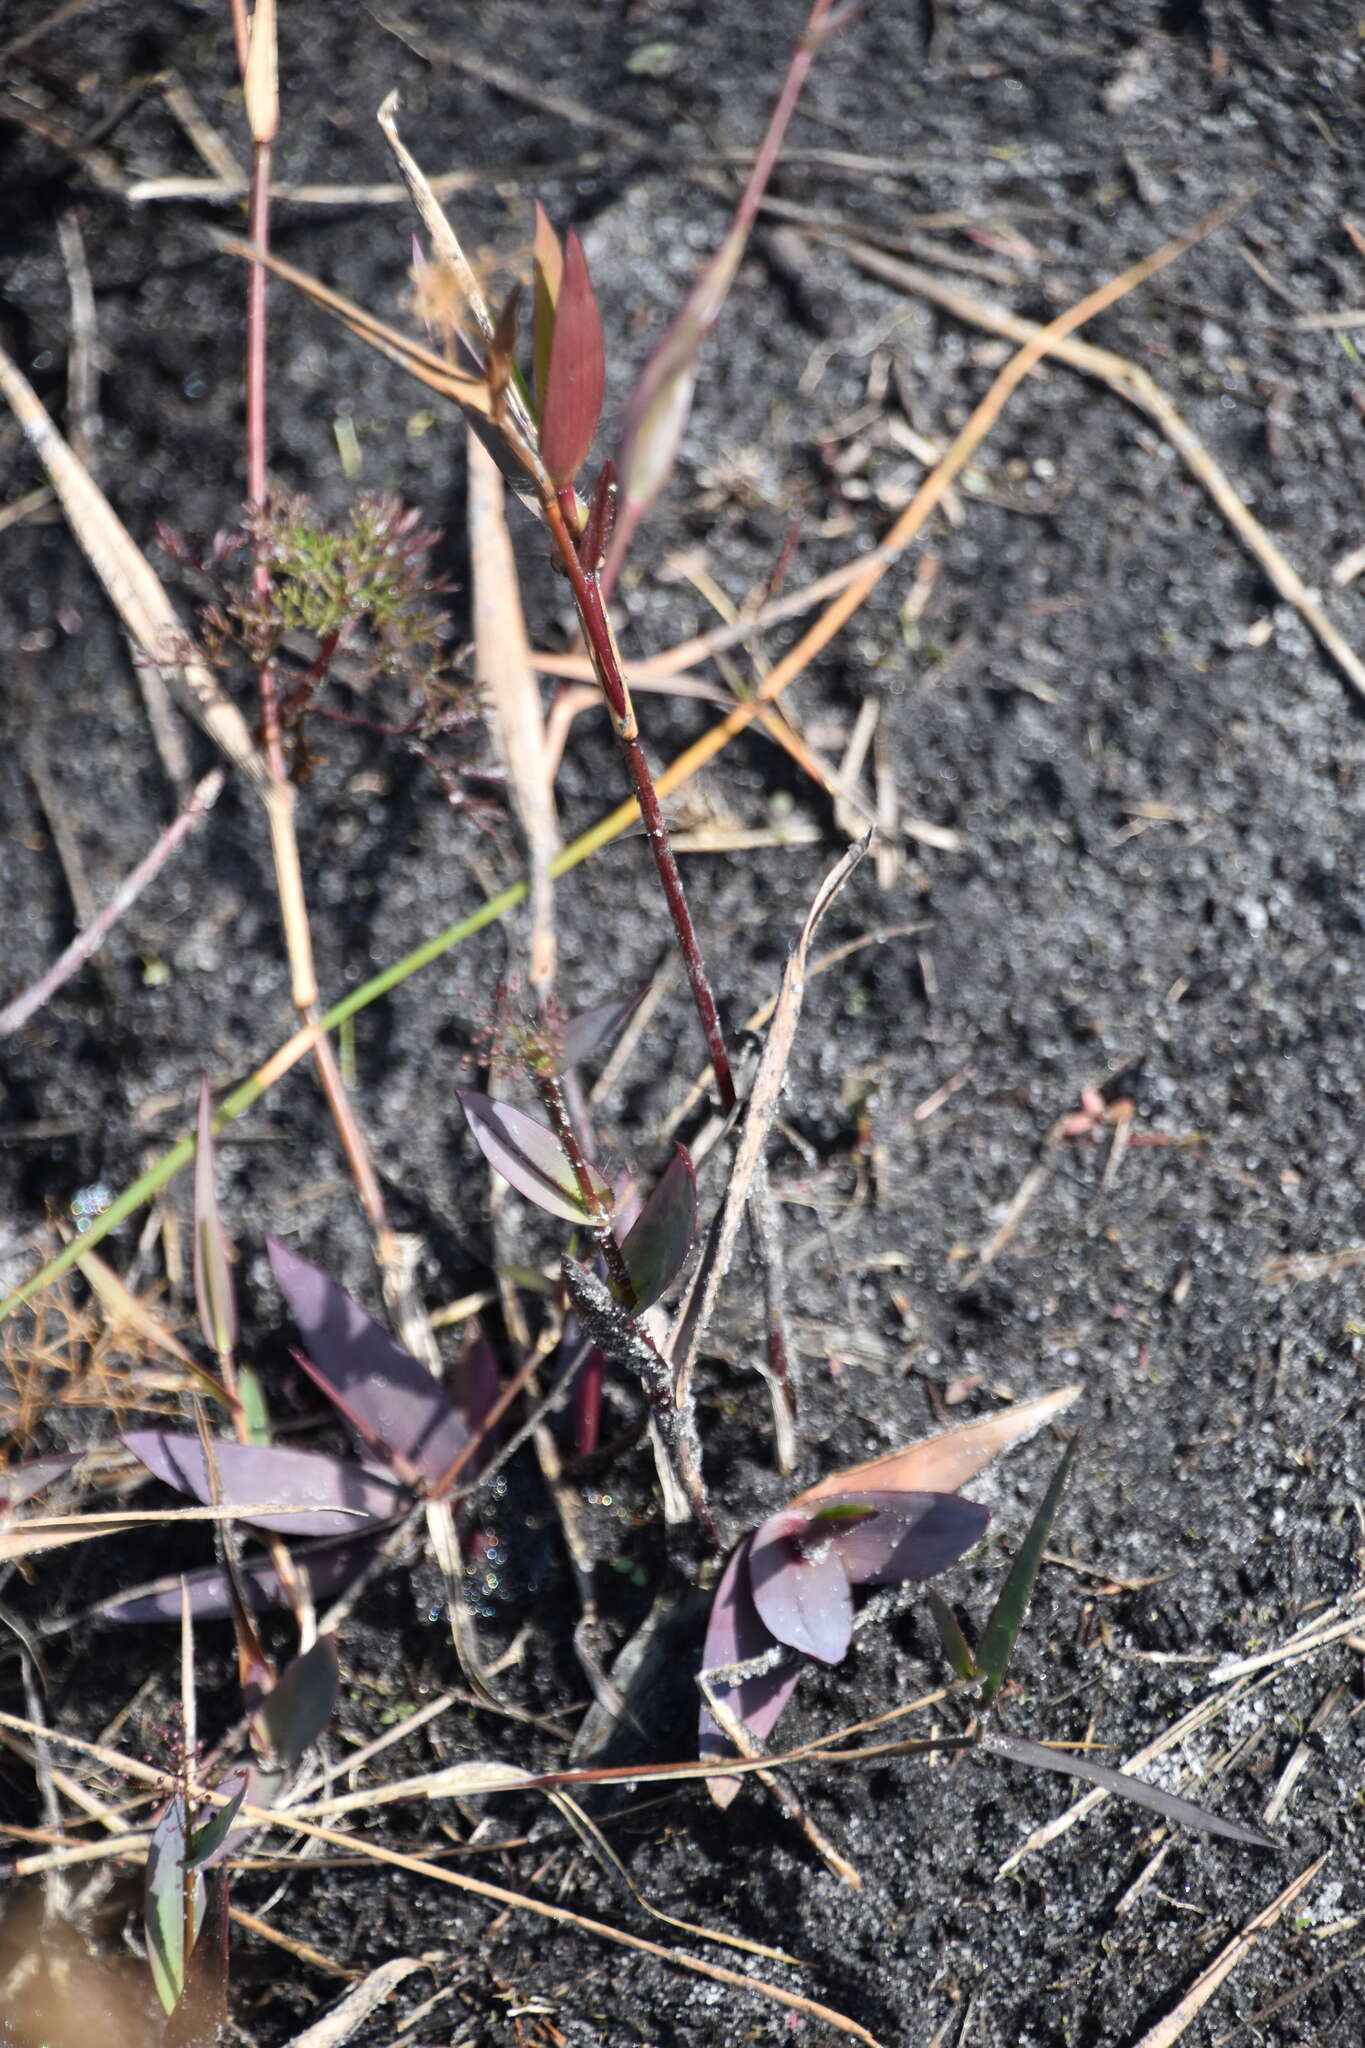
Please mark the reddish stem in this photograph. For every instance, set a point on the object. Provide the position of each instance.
(587, 1418)
(601, 643)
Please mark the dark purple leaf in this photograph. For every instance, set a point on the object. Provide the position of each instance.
(1137, 1791)
(656, 1246)
(388, 1396)
(336, 1495)
(214, 1294)
(167, 1878)
(906, 1536)
(19, 1483)
(208, 1842)
(590, 1030)
(328, 1568)
(294, 1715)
(576, 378)
(801, 1594)
(734, 1635)
(529, 1157)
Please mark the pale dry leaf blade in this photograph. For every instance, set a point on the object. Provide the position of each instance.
(949, 1460)
(214, 1294)
(695, 1313)
(509, 691)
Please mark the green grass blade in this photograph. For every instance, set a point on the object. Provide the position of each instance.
(996, 1647)
(954, 1643)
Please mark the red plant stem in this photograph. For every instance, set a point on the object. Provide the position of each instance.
(601, 643)
(552, 1097)
(587, 1419)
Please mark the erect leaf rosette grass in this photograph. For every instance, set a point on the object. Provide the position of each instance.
(788, 1586)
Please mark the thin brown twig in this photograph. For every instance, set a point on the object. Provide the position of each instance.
(91, 937)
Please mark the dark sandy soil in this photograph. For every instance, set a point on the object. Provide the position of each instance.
(1155, 776)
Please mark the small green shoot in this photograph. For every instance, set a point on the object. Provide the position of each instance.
(1007, 1616)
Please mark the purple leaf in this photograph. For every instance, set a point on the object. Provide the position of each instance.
(734, 1634)
(801, 1594)
(586, 1033)
(328, 1568)
(208, 1842)
(294, 1715)
(576, 378)
(656, 1246)
(19, 1483)
(168, 1880)
(904, 1536)
(214, 1293)
(530, 1157)
(335, 1494)
(389, 1398)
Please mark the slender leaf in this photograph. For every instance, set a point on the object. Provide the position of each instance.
(1017, 1750)
(292, 1717)
(955, 1646)
(943, 1463)
(207, 1842)
(389, 1398)
(1007, 1616)
(328, 1568)
(335, 1496)
(576, 378)
(735, 1635)
(656, 1246)
(529, 1157)
(214, 1293)
(255, 1408)
(549, 269)
(590, 1030)
(168, 1885)
(802, 1597)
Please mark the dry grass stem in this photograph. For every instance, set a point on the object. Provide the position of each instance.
(1182, 2016)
